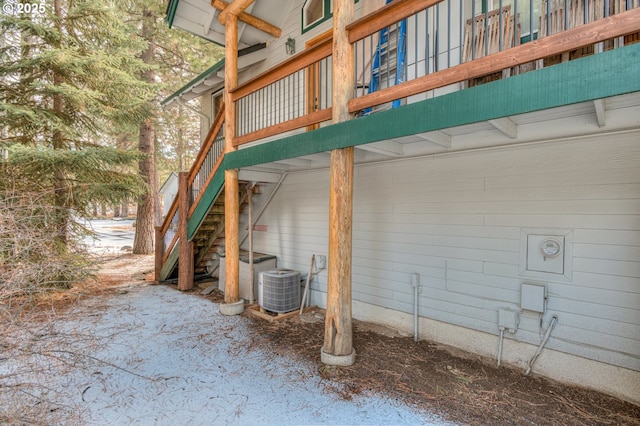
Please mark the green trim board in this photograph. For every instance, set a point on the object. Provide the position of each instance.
(172, 7)
(197, 80)
(594, 77)
(207, 200)
(171, 263)
(606, 74)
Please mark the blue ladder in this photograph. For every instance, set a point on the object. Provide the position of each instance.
(382, 50)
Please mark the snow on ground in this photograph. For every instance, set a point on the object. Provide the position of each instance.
(110, 236)
(159, 357)
(150, 355)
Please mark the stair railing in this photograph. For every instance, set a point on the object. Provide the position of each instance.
(208, 159)
(201, 172)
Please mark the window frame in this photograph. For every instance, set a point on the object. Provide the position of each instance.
(327, 13)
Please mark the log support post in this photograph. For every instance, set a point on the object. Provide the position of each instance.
(185, 262)
(338, 335)
(158, 253)
(232, 304)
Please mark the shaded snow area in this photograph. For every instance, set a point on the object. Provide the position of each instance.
(109, 235)
(153, 356)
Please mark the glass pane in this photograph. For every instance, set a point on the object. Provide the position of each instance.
(313, 11)
(524, 13)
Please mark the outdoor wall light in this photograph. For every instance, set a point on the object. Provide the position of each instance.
(290, 45)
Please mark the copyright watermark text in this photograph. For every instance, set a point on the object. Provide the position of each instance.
(11, 7)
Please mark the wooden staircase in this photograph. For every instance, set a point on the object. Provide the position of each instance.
(209, 238)
(204, 184)
(201, 200)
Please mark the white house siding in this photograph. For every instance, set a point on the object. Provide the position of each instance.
(457, 220)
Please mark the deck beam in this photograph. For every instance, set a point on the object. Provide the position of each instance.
(255, 22)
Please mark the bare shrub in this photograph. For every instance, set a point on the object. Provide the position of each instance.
(31, 259)
(32, 267)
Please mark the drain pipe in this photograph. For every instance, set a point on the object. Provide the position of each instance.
(544, 342)
(415, 283)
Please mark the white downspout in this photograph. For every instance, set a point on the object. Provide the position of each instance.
(415, 283)
(500, 345)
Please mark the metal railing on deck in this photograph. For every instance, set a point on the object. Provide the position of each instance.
(441, 35)
(293, 95)
(412, 47)
(286, 99)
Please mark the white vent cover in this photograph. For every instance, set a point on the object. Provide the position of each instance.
(279, 290)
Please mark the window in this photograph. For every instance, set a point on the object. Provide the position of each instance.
(524, 11)
(314, 12)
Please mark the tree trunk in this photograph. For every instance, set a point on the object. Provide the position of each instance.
(124, 209)
(145, 218)
(61, 191)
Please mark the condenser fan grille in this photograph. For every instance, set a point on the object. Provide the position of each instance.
(279, 291)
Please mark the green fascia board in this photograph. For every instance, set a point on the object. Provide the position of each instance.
(206, 201)
(171, 263)
(611, 73)
(202, 76)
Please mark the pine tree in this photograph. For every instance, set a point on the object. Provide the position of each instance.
(148, 208)
(68, 83)
(173, 57)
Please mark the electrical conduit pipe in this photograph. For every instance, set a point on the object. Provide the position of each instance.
(544, 342)
(415, 283)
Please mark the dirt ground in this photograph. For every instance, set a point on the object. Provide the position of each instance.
(459, 387)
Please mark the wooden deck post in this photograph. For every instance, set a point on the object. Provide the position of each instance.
(338, 339)
(232, 304)
(158, 253)
(185, 262)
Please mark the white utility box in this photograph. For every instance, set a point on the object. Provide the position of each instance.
(533, 297)
(261, 262)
